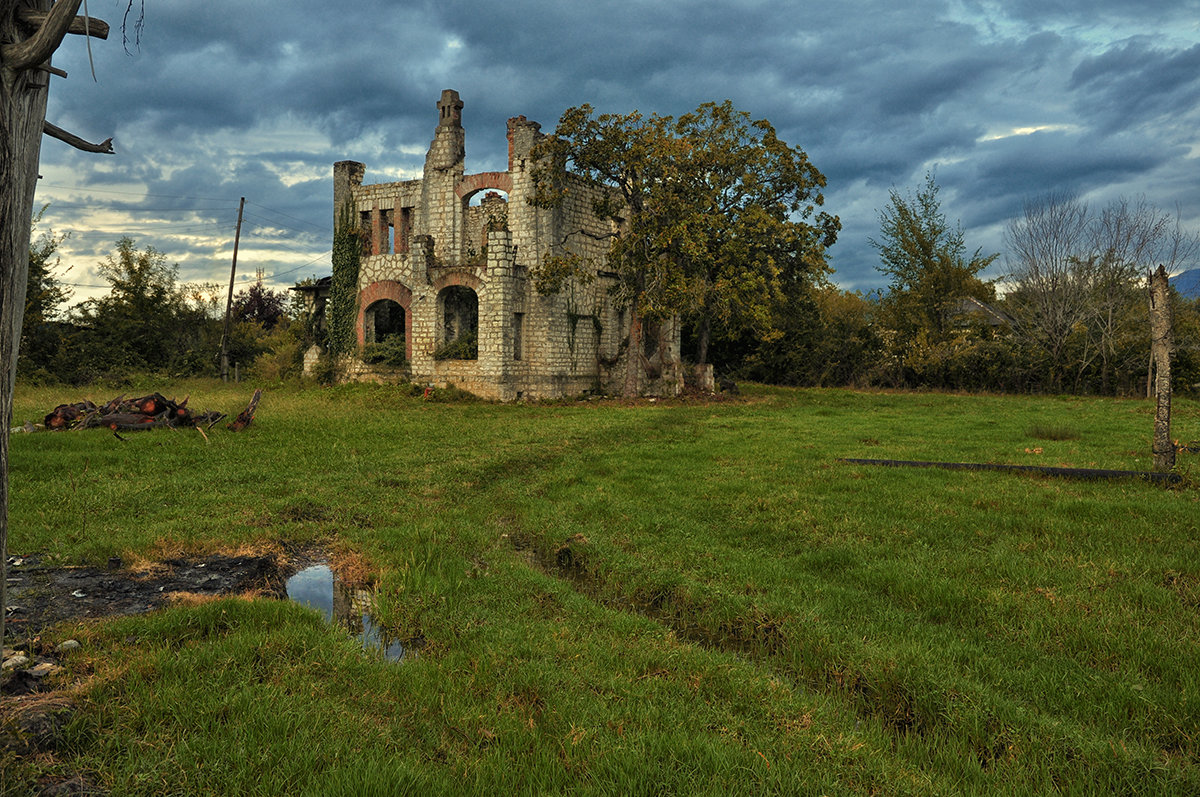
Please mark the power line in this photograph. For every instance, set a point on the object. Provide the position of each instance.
(281, 213)
(56, 206)
(297, 268)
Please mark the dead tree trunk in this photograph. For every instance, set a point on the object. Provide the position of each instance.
(1160, 356)
(30, 32)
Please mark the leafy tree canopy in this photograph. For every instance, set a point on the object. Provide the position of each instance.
(44, 294)
(711, 207)
(926, 260)
(260, 305)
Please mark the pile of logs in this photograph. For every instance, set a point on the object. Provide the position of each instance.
(146, 412)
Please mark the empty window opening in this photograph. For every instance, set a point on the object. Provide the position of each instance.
(403, 232)
(518, 335)
(483, 213)
(459, 309)
(384, 322)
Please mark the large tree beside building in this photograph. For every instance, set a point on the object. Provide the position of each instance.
(710, 208)
(748, 216)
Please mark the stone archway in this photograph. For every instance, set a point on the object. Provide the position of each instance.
(370, 300)
(384, 320)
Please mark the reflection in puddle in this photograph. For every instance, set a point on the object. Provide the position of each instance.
(345, 604)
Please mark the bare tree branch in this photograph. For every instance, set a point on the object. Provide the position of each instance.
(137, 25)
(41, 45)
(53, 70)
(105, 147)
(80, 26)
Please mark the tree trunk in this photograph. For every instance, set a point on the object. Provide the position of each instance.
(702, 337)
(633, 355)
(23, 90)
(1160, 353)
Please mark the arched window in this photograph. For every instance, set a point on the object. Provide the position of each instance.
(383, 320)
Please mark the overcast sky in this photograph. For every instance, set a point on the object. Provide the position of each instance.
(1004, 100)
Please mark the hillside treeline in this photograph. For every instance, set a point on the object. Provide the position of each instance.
(1069, 313)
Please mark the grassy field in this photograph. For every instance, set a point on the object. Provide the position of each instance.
(639, 599)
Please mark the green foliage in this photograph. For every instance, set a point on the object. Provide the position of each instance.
(341, 311)
(925, 259)
(326, 370)
(558, 270)
(147, 322)
(282, 356)
(744, 219)
(819, 336)
(41, 330)
(712, 209)
(464, 347)
(1185, 363)
(390, 353)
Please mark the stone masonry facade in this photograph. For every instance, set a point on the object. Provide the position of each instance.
(452, 278)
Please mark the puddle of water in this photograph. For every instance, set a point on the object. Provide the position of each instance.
(349, 607)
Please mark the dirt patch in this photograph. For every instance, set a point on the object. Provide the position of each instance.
(40, 594)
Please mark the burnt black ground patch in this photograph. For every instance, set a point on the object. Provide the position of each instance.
(41, 594)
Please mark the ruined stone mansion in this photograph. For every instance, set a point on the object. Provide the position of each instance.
(452, 277)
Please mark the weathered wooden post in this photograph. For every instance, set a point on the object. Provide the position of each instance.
(1160, 361)
(30, 32)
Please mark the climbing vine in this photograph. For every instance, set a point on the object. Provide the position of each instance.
(342, 309)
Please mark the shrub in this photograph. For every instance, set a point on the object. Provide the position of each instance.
(390, 352)
(465, 347)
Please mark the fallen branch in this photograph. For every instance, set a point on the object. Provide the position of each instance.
(1044, 470)
(247, 415)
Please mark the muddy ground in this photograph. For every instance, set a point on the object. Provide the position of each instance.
(40, 595)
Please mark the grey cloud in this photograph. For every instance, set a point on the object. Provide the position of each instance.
(1134, 83)
(876, 92)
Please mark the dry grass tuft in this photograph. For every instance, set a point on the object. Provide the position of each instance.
(351, 567)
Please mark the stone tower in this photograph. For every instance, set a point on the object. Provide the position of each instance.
(443, 170)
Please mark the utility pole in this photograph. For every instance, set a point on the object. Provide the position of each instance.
(229, 301)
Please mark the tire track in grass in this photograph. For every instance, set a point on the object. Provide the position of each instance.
(930, 719)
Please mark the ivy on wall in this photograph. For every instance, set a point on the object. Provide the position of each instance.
(341, 312)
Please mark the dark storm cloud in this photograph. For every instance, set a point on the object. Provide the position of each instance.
(1004, 100)
(1136, 83)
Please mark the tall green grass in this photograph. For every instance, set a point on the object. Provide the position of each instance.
(678, 598)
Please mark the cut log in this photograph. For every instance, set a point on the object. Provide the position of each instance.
(144, 412)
